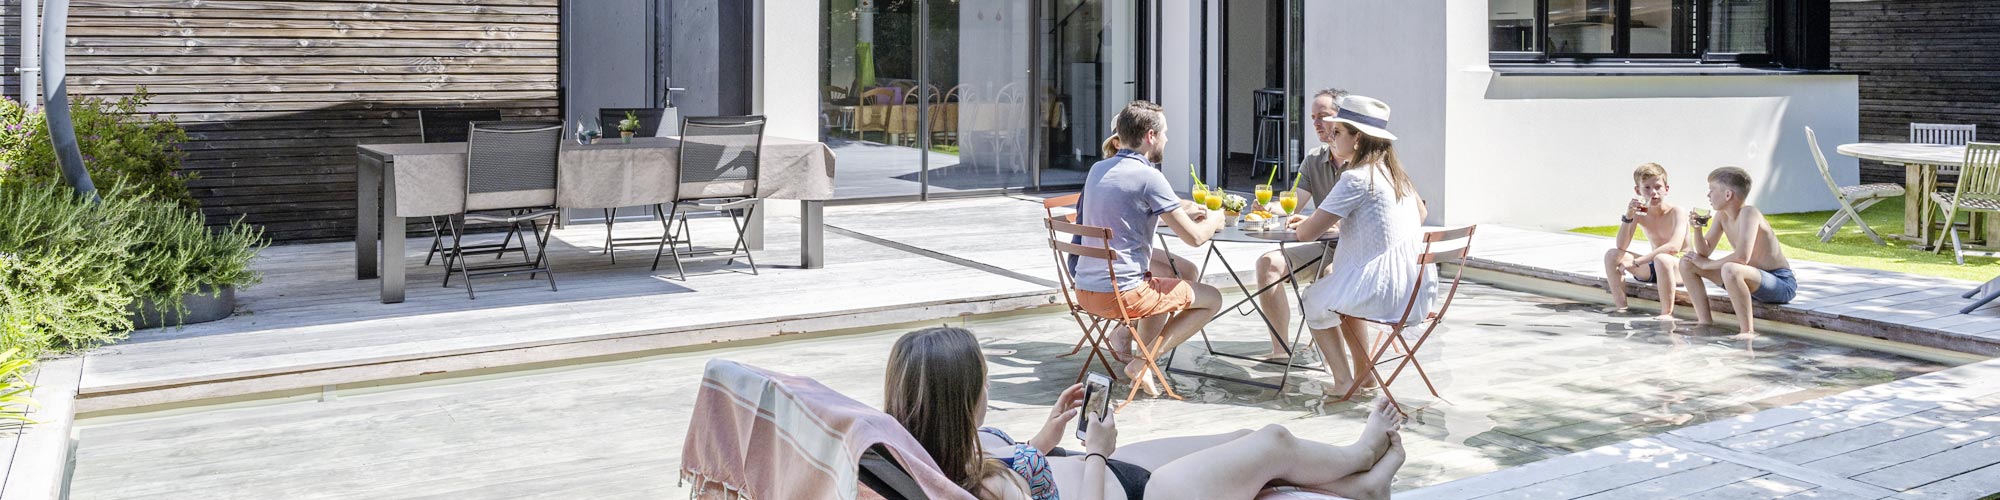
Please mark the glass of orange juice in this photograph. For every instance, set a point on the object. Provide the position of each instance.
(1200, 195)
(1289, 200)
(1263, 194)
(1214, 202)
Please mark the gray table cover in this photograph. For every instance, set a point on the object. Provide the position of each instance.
(430, 178)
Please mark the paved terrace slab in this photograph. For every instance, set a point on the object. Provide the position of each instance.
(1926, 437)
(1911, 309)
(311, 324)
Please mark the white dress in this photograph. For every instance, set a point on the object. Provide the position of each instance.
(1375, 267)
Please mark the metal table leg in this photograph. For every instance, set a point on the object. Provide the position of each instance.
(812, 234)
(1250, 297)
(392, 242)
(368, 206)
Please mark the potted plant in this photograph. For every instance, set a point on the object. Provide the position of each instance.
(1232, 206)
(628, 126)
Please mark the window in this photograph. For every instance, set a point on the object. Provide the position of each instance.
(1626, 30)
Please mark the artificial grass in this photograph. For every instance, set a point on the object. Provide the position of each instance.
(1852, 248)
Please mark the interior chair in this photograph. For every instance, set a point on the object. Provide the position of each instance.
(719, 161)
(510, 178)
(1852, 199)
(1447, 246)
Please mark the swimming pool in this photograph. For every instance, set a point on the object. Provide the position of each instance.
(1527, 376)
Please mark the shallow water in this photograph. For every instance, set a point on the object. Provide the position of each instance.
(1524, 378)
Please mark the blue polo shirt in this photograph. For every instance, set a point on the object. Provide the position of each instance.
(1126, 194)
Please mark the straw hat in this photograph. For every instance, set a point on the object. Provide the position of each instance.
(1366, 114)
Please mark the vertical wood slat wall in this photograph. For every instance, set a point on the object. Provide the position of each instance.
(1928, 61)
(10, 48)
(276, 94)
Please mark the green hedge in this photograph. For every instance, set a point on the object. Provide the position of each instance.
(120, 146)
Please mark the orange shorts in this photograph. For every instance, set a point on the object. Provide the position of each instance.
(1157, 296)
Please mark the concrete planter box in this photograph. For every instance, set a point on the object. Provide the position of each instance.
(202, 306)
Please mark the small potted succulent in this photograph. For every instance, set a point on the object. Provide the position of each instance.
(1232, 209)
(628, 126)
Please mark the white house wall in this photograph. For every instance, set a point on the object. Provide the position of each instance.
(787, 80)
(1393, 50)
(1558, 152)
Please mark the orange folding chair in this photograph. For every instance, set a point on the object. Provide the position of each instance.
(1096, 338)
(1442, 246)
(1097, 328)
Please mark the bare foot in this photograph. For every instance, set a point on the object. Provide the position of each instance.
(1384, 470)
(1121, 344)
(1664, 317)
(1383, 421)
(1744, 336)
(1136, 370)
(1703, 322)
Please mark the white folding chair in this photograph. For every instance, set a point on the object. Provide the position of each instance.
(1853, 199)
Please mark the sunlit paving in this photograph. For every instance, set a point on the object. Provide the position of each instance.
(999, 249)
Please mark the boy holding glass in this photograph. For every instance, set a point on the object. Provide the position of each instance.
(1666, 229)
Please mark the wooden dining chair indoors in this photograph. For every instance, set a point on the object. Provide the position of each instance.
(1097, 327)
(1446, 246)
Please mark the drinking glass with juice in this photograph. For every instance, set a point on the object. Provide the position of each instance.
(1200, 195)
(1214, 202)
(1289, 200)
(1263, 194)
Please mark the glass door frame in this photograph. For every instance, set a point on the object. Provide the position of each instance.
(1146, 20)
(1292, 73)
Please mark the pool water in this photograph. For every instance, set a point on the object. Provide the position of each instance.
(1525, 377)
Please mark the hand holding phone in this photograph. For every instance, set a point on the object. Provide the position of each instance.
(1096, 401)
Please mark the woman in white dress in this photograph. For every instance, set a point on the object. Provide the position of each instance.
(1376, 211)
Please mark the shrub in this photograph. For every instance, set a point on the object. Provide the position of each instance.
(63, 276)
(183, 254)
(120, 146)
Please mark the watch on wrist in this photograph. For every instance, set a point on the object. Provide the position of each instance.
(1625, 218)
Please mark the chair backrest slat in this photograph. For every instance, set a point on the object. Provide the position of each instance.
(1979, 177)
(1819, 158)
(1447, 245)
(649, 120)
(1942, 133)
(1068, 248)
(1067, 227)
(511, 165)
(720, 156)
(451, 125)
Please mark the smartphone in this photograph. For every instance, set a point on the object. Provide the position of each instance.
(1096, 401)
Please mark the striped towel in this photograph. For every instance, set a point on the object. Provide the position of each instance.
(763, 435)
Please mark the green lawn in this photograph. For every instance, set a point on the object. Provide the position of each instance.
(1851, 248)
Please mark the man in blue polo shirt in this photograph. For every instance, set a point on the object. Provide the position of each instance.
(1127, 194)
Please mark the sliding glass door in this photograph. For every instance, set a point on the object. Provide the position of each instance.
(924, 98)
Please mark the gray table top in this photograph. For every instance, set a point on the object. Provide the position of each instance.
(1238, 234)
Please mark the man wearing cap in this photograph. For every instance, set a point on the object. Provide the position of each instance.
(1317, 174)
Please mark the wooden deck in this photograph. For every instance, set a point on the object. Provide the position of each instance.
(1927, 437)
(1918, 310)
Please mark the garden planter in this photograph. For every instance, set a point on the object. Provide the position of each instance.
(626, 136)
(202, 307)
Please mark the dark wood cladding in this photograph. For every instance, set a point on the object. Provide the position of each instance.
(10, 48)
(1928, 61)
(276, 94)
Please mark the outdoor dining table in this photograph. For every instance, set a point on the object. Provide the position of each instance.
(1280, 238)
(398, 181)
(1920, 165)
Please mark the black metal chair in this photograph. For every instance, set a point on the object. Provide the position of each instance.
(719, 162)
(510, 178)
(649, 120)
(451, 125)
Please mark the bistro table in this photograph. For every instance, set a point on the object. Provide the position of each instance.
(397, 181)
(1281, 238)
(1920, 164)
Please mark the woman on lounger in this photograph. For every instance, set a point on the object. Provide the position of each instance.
(936, 388)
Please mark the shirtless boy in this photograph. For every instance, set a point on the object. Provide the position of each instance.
(1666, 228)
(1756, 270)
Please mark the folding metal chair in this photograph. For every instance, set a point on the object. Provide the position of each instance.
(511, 167)
(1442, 246)
(719, 162)
(1097, 327)
(1097, 338)
(452, 125)
(1853, 199)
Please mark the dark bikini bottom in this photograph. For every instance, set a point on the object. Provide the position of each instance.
(1131, 477)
